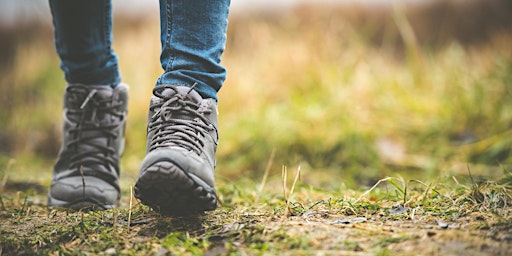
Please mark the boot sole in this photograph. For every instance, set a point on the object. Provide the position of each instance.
(171, 191)
(86, 204)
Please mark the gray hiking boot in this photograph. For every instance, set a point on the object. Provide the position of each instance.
(177, 174)
(86, 173)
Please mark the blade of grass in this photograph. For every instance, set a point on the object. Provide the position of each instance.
(297, 175)
(267, 171)
(372, 188)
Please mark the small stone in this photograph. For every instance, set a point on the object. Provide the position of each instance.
(431, 233)
(442, 224)
(359, 219)
(162, 251)
(507, 238)
(398, 209)
(341, 221)
(110, 251)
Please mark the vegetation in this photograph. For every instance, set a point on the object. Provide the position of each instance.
(340, 134)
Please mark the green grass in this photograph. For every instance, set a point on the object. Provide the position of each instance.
(392, 142)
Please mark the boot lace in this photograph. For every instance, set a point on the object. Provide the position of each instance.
(95, 119)
(178, 121)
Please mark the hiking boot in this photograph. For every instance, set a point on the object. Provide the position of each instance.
(177, 174)
(86, 173)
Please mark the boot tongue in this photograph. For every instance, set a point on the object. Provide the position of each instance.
(85, 104)
(79, 96)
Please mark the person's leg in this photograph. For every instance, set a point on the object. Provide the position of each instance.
(193, 37)
(83, 40)
(86, 172)
(177, 174)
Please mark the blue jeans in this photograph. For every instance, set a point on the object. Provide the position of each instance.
(193, 37)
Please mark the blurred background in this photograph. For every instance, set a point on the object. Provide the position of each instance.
(351, 91)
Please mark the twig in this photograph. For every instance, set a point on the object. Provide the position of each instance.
(284, 177)
(2, 203)
(82, 222)
(17, 203)
(297, 175)
(267, 171)
(456, 181)
(6, 176)
(83, 180)
(288, 195)
(130, 209)
(114, 225)
(471, 176)
(4, 180)
(24, 205)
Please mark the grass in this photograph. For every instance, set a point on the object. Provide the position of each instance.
(445, 215)
(402, 147)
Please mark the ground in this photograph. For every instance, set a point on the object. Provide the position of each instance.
(435, 221)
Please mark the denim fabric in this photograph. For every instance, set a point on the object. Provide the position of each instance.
(193, 37)
(83, 38)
